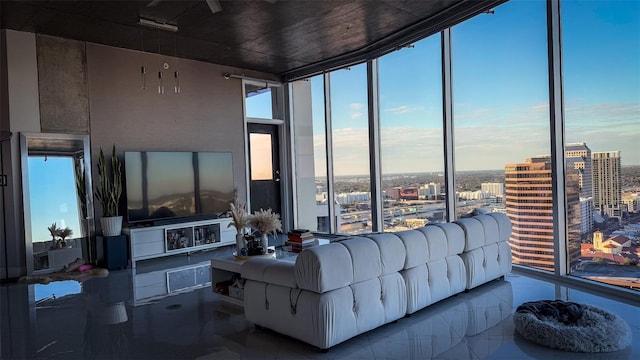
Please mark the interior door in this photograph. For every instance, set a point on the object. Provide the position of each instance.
(264, 167)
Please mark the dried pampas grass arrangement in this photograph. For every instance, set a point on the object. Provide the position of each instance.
(265, 221)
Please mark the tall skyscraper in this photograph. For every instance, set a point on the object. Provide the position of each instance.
(607, 190)
(578, 159)
(578, 168)
(529, 203)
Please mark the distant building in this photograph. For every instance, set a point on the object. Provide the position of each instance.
(429, 191)
(632, 202)
(393, 193)
(409, 193)
(578, 160)
(353, 197)
(416, 223)
(529, 203)
(472, 195)
(579, 169)
(617, 249)
(586, 215)
(496, 189)
(607, 189)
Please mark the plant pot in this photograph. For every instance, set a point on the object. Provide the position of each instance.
(239, 243)
(111, 226)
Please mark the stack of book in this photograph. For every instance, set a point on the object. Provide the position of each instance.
(299, 239)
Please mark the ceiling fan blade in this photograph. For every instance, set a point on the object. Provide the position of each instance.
(214, 5)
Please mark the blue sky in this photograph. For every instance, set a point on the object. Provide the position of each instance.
(53, 194)
(500, 91)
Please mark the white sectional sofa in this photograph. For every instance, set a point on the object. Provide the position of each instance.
(337, 291)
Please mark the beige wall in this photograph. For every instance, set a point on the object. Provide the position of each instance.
(207, 114)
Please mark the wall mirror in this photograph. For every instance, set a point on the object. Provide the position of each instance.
(56, 185)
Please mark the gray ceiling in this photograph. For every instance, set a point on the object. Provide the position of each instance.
(288, 38)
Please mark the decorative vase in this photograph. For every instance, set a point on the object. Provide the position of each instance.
(264, 241)
(111, 226)
(239, 243)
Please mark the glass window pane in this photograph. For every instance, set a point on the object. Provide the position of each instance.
(53, 197)
(320, 152)
(261, 155)
(601, 53)
(501, 124)
(411, 136)
(349, 116)
(258, 101)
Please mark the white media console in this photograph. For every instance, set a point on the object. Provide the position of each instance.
(149, 242)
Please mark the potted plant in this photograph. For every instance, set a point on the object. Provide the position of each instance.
(108, 193)
(266, 222)
(240, 218)
(81, 191)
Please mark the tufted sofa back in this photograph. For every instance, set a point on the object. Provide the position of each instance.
(433, 269)
(487, 254)
(329, 267)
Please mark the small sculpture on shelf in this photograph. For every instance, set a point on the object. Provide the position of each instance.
(254, 246)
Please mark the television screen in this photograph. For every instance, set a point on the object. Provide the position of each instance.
(215, 181)
(166, 185)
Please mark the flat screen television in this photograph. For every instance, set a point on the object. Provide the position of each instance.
(162, 186)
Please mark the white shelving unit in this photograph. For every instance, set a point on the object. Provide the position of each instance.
(151, 286)
(151, 242)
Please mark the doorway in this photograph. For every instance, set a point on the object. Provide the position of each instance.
(264, 167)
(57, 200)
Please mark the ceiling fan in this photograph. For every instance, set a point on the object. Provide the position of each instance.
(214, 5)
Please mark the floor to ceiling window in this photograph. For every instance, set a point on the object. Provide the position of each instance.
(501, 124)
(502, 135)
(601, 53)
(350, 137)
(320, 153)
(411, 136)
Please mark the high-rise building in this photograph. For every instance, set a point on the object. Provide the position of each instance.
(578, 160)
(529, 203)
(607, 190)
(578, 169)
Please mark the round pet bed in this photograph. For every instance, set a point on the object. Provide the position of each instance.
(571, 326)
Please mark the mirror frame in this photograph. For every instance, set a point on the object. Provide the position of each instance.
(26, 198)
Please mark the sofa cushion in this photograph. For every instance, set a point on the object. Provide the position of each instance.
(416, 247)
(473, 232)
(324, 268)
(366, 258)
(504, 225)
(392, 252)
(433, 281)
(455, 238)
(490, 227)
(269, 270)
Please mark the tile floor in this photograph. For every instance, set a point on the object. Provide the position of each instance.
(131, 315)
